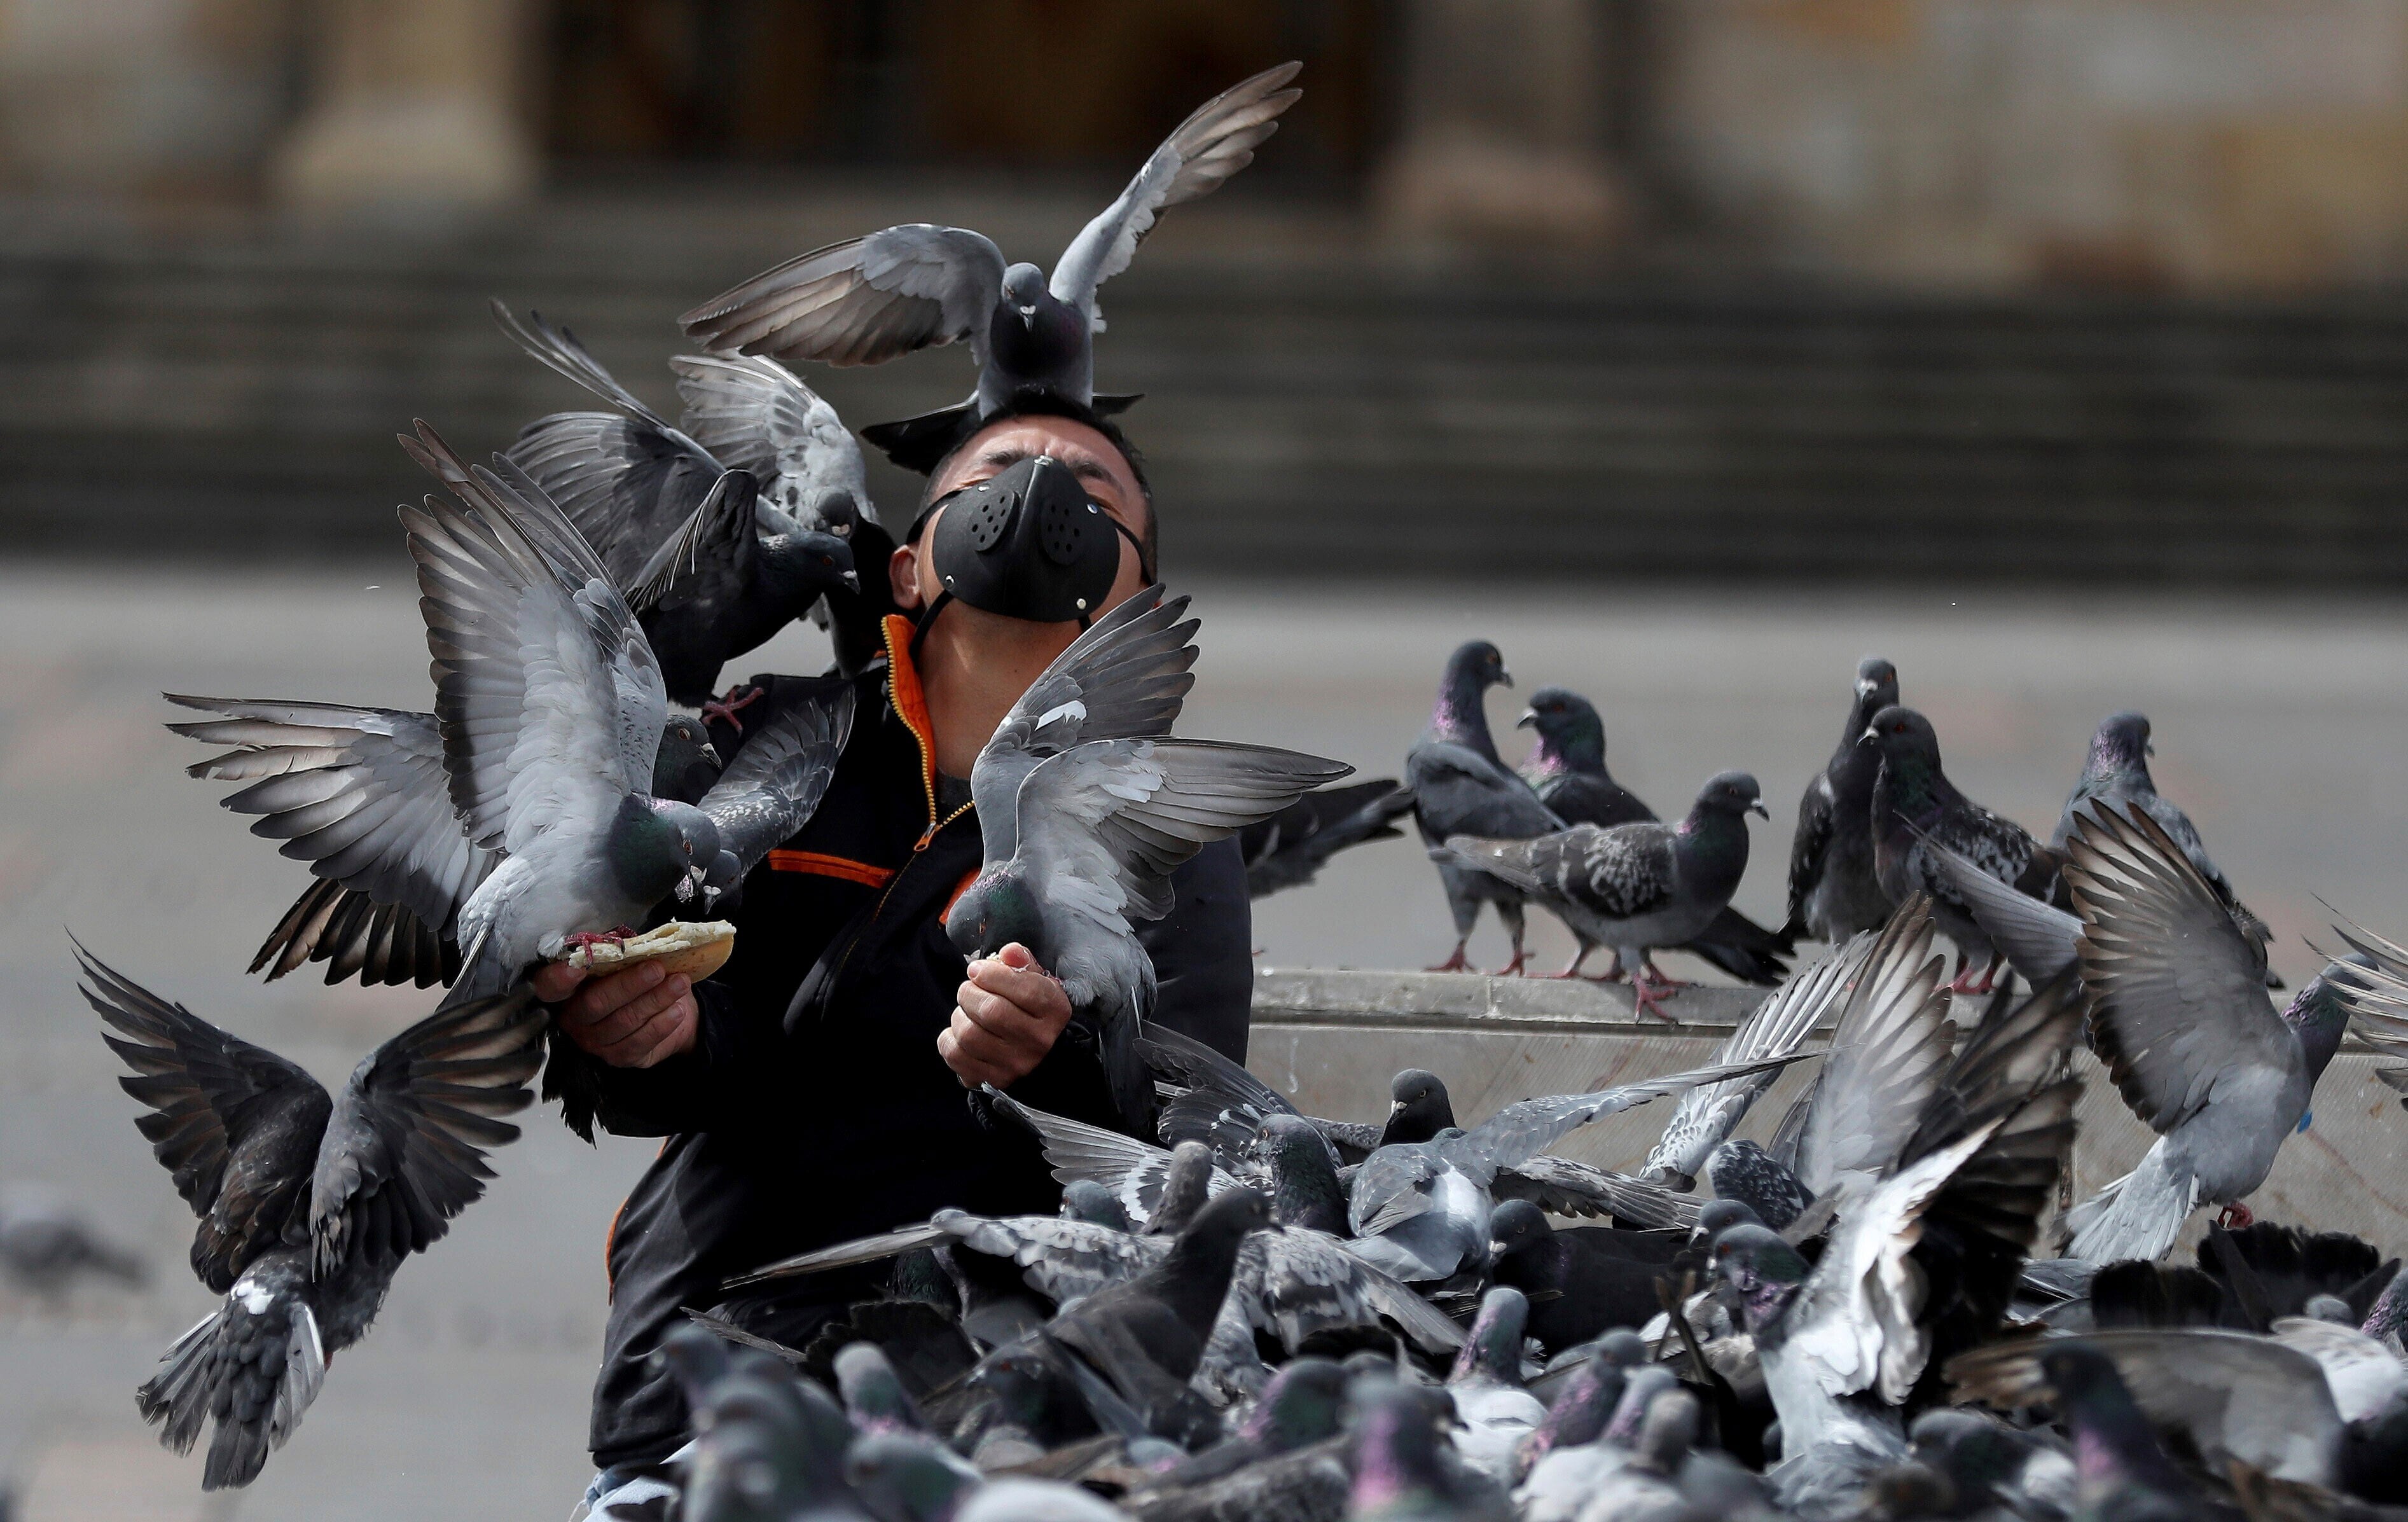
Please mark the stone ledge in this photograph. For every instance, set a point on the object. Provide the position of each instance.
(1477, 1002)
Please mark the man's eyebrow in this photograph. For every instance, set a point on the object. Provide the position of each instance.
(1084, 464)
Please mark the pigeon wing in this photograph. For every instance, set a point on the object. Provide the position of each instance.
(550, 700)
(1459, 791)
(358, 792)
(1816, 825)
(1622, 873)
(1525, 1129)
(233, 1122)
(1561, 1186)
(558, 349)
(2177, 992)
(1216, 141)
(1705, 1117)
(864, 301)
(775, 781)
(625, 487)
(1885, 1059)
(356, 935)
(1296, 1281)
(1130, 1168)
(1392, 1187)
(405, 1150)
(754, 414)
(710, 559)
(2039, 939)
(2365, 1377)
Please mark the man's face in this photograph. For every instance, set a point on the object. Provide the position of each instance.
(1103, 473)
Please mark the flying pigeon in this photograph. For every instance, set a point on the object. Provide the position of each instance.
(359, 794)
(1289, 849)
(1834, 892)
(715, 553)
(2116, 773)
(1567, 769)
(1460, 787)
(308, 1204)
(1087, 841)
(2179, 1014)
(2372, 982)
(870, 300)
(1915, 807)
(1634, 888)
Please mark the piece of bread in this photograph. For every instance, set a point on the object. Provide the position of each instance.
(697, 949)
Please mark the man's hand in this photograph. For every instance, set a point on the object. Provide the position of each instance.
(1005, 1019)
(629, 1019)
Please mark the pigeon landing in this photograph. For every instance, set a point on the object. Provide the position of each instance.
(1914, 807)
(1460, 787)
(308, 1202)
(1834, 891)
(716, 551)
(1567, 769)
(1637, 888)
(872, 299)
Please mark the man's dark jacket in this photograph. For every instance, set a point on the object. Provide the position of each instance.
(780, 1142)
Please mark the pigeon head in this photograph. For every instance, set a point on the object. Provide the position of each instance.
(1418, 1107)
(1640, 1387)
(2330, 1308)
(686, 763)
(1978, 1457)
(1759, 1271)
(1716, 1216)
(1581, 1409)
(2114, 1448)
(1513, 1225)
(1397, 1464)
(2120, 745)
(1471, 671)
(1571, 737)
(1876, 689)
(1493, 1348)
(1732, 794)
(901, 1474)
(696, 1359)
(1023, 287)
(1304, 1179)
(803, 566)
(873, 1396)
(836, 512)
(1668, 1431)
(2319, 1012)
(659, 847)
(1085, 1200)
(994, 911)
(1187, 1184)
(1899, 733)
(1302, 1404)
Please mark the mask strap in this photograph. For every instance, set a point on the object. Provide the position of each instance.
(928, 621)
(1144, 570)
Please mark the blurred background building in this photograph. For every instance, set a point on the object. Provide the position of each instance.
(1967, 288)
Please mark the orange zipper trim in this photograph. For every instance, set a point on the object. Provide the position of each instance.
(817, 865)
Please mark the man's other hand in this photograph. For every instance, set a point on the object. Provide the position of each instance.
(1005, 1019)
(629, 1019)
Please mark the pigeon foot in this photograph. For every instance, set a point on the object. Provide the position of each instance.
(1964, 984)
(1646, 996)
(586, 939)
(1514, 967)
(2236, 1217)
(1457, 963)
(725, 709)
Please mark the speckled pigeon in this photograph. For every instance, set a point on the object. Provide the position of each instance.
(867, 300)
(1834, 891)
(1461, 788)
(1637, 888)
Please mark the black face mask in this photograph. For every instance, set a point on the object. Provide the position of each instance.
(1029, 544)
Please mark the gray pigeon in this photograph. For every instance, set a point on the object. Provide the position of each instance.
(1460, 787)
(360, 795)
(870, 300)
(715, 555)
(1916, 806)
(1087, 846)
(2179, 1014)
(308, 1204)
(1635, 887)
(2116, 772)
(45, 1244)
(1834, 892)
(1567, 769)
(1290, 848)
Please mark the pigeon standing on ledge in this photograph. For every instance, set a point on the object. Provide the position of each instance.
(1461, 788)
(1834, 891)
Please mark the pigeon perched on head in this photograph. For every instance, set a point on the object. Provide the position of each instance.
(2179, 1014)
(1289, 848)
(1914, 808)
(1633, 887)
(1460, 787)
(2116, 773)
(308, 1202)
(1567, 769)
(1834, 891)
(867, 300)
(715, 553)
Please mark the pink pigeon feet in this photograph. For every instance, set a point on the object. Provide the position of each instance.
(725, 709)
(1965, 971)
(588, 939)
(1457, 963)
(1650, 989)
(2236, 1217)
(1514, 969)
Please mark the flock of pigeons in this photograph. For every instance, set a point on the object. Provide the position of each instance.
(1272, 1314)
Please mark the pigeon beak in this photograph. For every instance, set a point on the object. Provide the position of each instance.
(1504, 677)
(1530, 717)
(1395, 1108)
(851, 582)
(1760, 811)
(1866, 735)
(1864, 688)
(711, 753)
(2149, 750)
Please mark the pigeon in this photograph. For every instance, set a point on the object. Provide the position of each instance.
(1988, 1463)
(716, 554)
(1704, 1117)
(46, 1246)
(2116, 773)
(308, 1202)
(1496, 1413)
(1402, 1471)
(2123, 1470)
(902, 1477)
(1286, 1462)
(1633, 887)
(2179, 1014)
(1916, 806)
(1567, 769)
(1834, 892)
(1085, 1200)
(1289, 849)
(1577, 1416)
(340, 786)
(872, 299)
(1420, 1209)
(1460, 787)
(2372, 985)
(1579, 1285)
(1086, 846)
(768, 1446)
